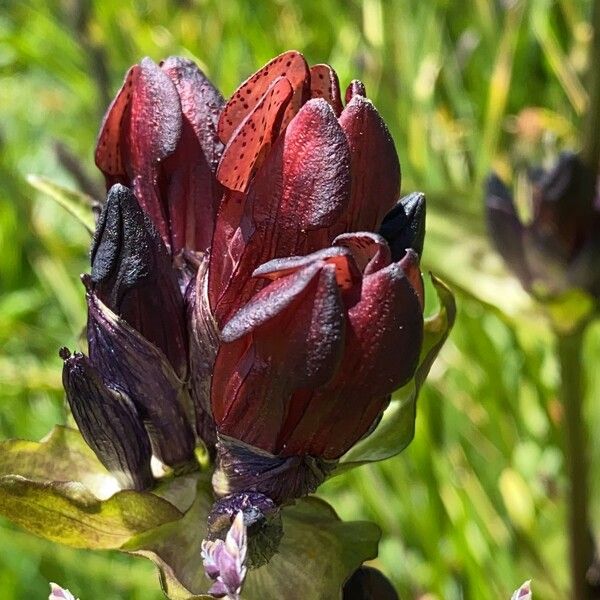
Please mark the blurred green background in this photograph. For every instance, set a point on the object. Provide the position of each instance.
(476, 504)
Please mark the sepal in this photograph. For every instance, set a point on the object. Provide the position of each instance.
(404, 226)
(242, 467)
(109, 423)
(130, 363)
(132, 274)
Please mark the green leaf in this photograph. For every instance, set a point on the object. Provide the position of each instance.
(68, 513)
(62, 455)
(317, 553)
(54, 489)
(76, 202)
(396, 429)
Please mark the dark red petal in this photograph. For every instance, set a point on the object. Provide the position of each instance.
(258, 372)
(204, 341)
(188, 182)
(356, 88)
(370, 251)
(375, 166)
(290, 65)
(412, 270)
(301, 189)
(252, 139)
(201, 104)
(110, 150)
(130, 363)
(315, 169)
(142, 129)
(269, 302)
(383, 340)
(324, 83)
(133, 276)
(345, 268)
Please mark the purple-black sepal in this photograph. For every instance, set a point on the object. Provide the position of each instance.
(404, 226)
(133, 275)
(131, 364)
(244, 468)
(109, 423)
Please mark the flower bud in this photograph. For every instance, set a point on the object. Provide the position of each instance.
(523, 593)
(132, 275)
(557, 249)
(58, 593)
(109, 423)
(132, 364)
(159, 138)
(404, 226)
(224, 560)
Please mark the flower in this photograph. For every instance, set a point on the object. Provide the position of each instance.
(318, 313)
(254, 289)
(224, 561)
(253, 276)
(557, 248)
(523, 593)
(58, 593)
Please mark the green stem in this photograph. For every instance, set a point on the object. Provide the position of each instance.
(590, 147)
(572, 393)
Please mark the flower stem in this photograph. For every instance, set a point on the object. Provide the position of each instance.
(576, 449)
(590, 148)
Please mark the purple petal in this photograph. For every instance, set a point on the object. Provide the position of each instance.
(523, 593)
(133, 365)
(59, 593)
(224, 561)
(109, 423)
